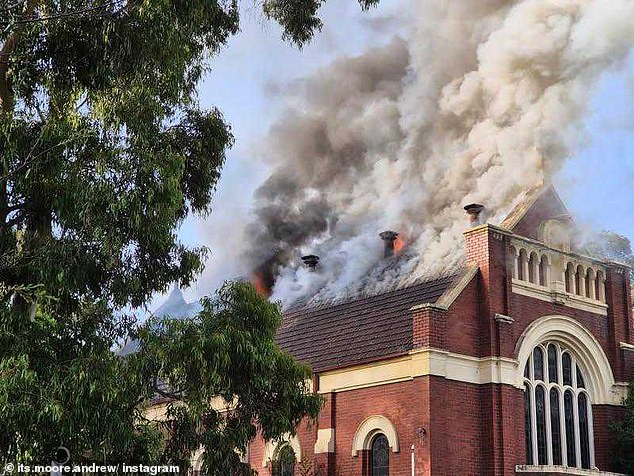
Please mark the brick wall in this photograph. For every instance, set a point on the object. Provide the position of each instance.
(469, 429)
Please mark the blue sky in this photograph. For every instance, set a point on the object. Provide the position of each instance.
(246, 80)
(597, 183)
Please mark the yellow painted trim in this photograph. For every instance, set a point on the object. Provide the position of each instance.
(159, 412)
(271, 447)
(369, 428)
(418, 363)
(325, 441)
(474, 370)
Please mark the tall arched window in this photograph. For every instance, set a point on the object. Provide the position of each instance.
(557, 409)
(380, 456)
(284, 463)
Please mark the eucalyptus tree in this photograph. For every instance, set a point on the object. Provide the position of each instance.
(104, 151)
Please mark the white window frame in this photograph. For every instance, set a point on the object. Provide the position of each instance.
(532, 384)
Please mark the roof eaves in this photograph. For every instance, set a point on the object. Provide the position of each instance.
(447, 298)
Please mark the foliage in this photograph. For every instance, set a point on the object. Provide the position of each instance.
(225, 355)
(104, 151)
(612, 246)
(624, 435)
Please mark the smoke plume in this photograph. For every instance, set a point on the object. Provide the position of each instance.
(481, 102)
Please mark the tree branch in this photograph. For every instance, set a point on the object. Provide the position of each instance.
(61, 15)
(6, 95)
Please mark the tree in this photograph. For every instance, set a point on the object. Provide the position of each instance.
(624, 434)
(612, 246)
(226, 353)
(104, 151)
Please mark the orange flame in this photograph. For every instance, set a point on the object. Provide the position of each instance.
(399, 244)
(260, 286)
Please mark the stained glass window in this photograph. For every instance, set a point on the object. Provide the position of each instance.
(528, 423)
(538, 363)
(557, 409)
(380, 457)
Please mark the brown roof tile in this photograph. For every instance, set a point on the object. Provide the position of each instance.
(356, 331)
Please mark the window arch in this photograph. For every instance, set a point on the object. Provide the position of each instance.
(284, 462)
(380, 456)
(272, 449)
(556, 234)
(557, 409)
(369, 428)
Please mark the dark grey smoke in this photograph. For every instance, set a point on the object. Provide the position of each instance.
(482, 100)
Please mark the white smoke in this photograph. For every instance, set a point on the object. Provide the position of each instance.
(482, 101)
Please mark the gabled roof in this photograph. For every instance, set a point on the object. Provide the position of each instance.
(539, 204)
(359, 330)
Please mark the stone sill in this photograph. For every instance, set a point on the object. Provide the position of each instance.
(550, 295)
(548, 470)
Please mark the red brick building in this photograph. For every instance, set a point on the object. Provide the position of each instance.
(516, 364)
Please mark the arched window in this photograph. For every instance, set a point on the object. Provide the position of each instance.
(557, 409)
(543, 271)
(284, 462)
(589, 285)
(533, 264)
(522, 265)
(570, 278)
(380, 456)
(599, 292)
(579, 280)
(556, 234)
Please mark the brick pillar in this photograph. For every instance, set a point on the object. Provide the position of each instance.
(325, 458)
(488, 246)
(429, 324)
(619, 300)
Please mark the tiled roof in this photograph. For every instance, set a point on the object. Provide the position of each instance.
(356, 331)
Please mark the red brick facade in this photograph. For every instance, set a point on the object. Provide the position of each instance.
(457, 427)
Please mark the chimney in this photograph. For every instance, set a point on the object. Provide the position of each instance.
(388, 238)
(473, 210)
(310, 261)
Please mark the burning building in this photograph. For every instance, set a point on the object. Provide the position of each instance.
(514, 362)
(498, 350)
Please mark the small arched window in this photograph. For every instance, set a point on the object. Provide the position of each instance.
(570, 278)
(543, 271)
(522, 265)
(533, 264)
(557, 409)
(600, 286)
(284, 462)
(579, 280)
(380, 456)
(590, 284)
